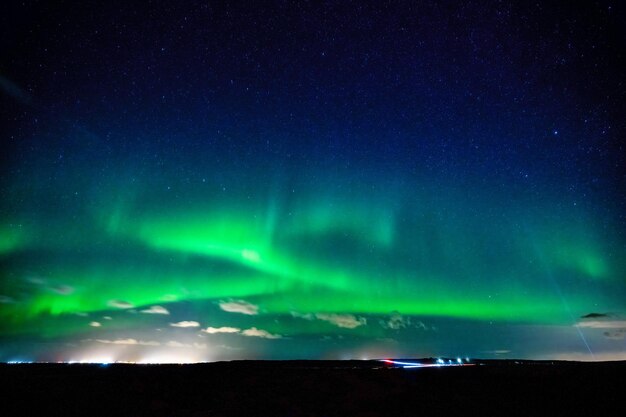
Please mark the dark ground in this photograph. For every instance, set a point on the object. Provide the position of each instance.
(313, 388)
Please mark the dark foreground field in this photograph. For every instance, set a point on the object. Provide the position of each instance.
(313, 389)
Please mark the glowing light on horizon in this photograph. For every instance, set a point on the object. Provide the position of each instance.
(439, 363)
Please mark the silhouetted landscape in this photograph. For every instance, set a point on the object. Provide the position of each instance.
(313, 388)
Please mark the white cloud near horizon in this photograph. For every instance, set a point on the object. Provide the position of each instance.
(254, 332)
(185, 323)
(120, 304)
(397, 321)
(239, 306)
(603, 324)
(129, 341)
(156, 310)
(223, 329)
(347, 321)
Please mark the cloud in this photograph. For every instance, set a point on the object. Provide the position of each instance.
(62, 289)
(603, 324)
(307, 316)
(128, 342)
(614, 324)
(396, 322)
(239, 306)
(120, 304)
(156, 310)
(254, 332)
(95, 324)
(347, 321)
(214, 330)
(185, 324)
(619, 334)
(594, 315)
(602, 321)
(422, 325)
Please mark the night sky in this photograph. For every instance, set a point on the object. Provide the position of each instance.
(198, 181)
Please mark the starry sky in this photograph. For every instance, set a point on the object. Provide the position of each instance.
(198, 181)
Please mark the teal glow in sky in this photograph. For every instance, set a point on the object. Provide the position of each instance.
(215, 189)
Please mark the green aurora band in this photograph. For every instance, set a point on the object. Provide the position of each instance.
(307, 260)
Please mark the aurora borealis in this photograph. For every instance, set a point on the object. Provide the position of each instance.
(208, 181)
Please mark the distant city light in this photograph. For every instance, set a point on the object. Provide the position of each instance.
(439, 363)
